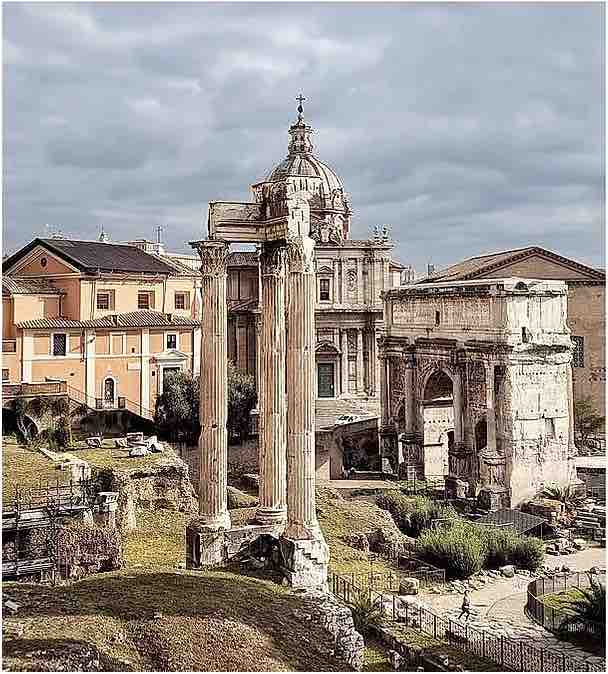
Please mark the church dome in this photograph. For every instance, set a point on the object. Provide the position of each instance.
(306, 165)
(329, 207)
(300, 160)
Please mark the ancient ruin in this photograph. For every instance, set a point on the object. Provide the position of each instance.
(497, 353)
(279, 220)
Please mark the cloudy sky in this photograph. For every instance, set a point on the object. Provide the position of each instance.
(467, 128)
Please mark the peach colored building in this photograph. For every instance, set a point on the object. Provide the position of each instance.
(112, 320)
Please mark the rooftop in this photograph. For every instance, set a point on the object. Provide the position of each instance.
(23, 286)
(92, 256)
(133, 319)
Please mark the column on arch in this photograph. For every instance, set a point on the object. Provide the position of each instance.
(272, 401)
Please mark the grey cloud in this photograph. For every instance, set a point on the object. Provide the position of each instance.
(468, 127)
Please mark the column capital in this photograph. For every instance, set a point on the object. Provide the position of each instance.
(301, 254)
(272, 259)
(213, 255)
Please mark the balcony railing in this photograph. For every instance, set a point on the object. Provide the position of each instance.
(9, 346)
(34, 389)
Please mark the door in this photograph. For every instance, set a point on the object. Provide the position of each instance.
(325, 380)
(109, 392)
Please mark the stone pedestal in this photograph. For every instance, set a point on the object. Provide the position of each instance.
(304, 549)
(493, 497)
(105, 510)
(213, 441)
(271, 388)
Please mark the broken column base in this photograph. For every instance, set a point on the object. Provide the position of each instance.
(493, 497)
(305, 561)
(208, 546)
(455, 487)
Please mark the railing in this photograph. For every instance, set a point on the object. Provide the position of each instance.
(389, 581)
(552, 619)
(510, 654)
(9, 346)
(34, 389)
(49, 496)
(120, 403)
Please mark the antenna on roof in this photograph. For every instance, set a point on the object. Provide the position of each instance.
(103, 236)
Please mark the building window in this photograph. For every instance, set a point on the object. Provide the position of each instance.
(180, 301)
(103, 300)
(324, 290)
(60, 340)
(143, 300)
(172, 341)
(5, 374)
(43, 262)
(437, 318)
(578, 355)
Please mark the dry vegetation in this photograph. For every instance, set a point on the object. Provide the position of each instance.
(27, 468)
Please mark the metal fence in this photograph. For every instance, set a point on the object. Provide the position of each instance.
(510, 654)
(389, 581)
(552, 618)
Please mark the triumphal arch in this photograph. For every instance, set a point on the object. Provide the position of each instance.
(497, 352)
(279, 221)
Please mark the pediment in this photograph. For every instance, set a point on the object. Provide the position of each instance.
(34, 265)
(325, 270)
(171, 355)
(327, 347)
(544, 265)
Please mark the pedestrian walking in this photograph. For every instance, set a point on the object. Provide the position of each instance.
(465, 609)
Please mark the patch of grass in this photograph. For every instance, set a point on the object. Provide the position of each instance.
(27, 468)
(158, 541)
(172, 621)
(375, 657)
(561, 600)
(339, 517)
(118, 458)
(439, 649)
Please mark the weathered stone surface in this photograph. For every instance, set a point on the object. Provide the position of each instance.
(409, 586)
(359, 541)
(336, 618)
(163, 482)
(239, 499)
(507, 570)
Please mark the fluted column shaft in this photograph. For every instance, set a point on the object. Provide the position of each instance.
(301, 514)
(213, 441)
(271, 388)
(344, 361)
(360, 386)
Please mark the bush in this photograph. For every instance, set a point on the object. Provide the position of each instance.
(366, 613)
(500, 545)
(457, 549)
(529, 553)
(464, 549)
(413, 515)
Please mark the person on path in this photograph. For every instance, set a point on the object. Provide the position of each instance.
(465, 609)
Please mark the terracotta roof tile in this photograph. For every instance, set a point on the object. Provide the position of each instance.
(25, 286)
(134, 319)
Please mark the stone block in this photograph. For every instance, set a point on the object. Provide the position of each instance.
(305, 561)
(409, 586)
(508, 570)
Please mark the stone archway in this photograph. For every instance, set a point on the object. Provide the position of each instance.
(437, 419)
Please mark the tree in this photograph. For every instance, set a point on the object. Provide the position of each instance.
(587, 421)
(242, 398)
(177, 408)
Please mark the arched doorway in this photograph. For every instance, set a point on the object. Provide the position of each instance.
(437, 422)
(109, 392)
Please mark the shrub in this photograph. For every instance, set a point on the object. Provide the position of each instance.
(500, 545)
(458, 549)
(529, 553)
(413, 515)
(366, 613)
(588, 607)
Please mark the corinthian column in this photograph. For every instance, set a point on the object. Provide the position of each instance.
(213, 441)
(271, 387)
(301, 515)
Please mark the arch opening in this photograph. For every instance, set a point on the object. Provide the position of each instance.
(437, 422)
